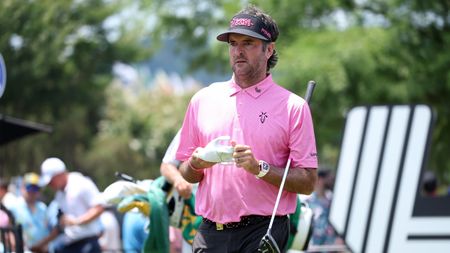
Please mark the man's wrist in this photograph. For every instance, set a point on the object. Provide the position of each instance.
(264, 168)
(77, 222)
(193, 168)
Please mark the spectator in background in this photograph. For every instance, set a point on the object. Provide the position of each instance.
(110, 239)
(30, 212)
(80, 203)
(53, 213)
(169, 169)
(319, 202)
(429, 184)
(12, 192)
(134, 231)
(6, 217)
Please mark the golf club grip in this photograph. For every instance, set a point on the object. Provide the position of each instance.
(310, 91)
(167, 186)
(125, 177)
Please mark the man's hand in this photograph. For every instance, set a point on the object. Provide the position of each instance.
(66, 220)
(198, 163)
(183, 187)
(38, 249)
(243, 157)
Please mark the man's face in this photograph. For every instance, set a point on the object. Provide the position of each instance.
(57, 182)
(248, 56)
(3, 192)
(31, 192)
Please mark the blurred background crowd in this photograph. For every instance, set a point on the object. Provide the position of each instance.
(22, 203)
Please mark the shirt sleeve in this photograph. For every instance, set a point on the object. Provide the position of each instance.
(302, 141)
(188, 133)
(170, 155)
(91, 194)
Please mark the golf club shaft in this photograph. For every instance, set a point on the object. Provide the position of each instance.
(283, 180)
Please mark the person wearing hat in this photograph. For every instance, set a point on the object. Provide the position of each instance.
(267, 125)
(30, 212)
(80, 204)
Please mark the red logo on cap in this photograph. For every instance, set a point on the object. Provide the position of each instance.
(241, 22)
(266, 33)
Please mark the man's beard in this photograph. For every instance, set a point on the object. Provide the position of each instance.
(249, 71)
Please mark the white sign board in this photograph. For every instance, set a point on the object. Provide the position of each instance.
(376, 193)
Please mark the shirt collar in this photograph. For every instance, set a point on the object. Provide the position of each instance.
(254, 90)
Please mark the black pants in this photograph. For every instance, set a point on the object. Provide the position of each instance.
(239, 240)
(86, 245)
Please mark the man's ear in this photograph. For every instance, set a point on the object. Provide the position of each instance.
(270, 49)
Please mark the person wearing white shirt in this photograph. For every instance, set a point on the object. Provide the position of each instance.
(169, 169)
(81, 205)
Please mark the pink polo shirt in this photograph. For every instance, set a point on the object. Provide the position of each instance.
(274, 122)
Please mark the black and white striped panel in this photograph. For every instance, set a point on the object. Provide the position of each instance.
(382, 156)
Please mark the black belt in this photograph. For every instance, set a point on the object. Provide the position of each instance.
(244, 222)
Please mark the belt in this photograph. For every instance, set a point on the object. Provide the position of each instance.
(244, 222)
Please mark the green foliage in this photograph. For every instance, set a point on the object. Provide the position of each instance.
(135, 131)
(293, 15)
(416, 59)
(424, 39)
(59, 56)
(343, 65)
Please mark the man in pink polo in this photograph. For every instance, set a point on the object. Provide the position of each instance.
(267, 124)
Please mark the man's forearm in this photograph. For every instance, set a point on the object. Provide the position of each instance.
(170, 172)
(190, 174)
(299, 180)
(91, 214)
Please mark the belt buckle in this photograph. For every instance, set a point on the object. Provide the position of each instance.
(219, 226)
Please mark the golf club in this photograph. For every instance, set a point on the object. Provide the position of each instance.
(310, 91)
(268, 243)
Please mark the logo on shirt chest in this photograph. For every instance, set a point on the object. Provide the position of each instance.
(263, 116)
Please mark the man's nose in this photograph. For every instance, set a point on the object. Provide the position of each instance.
(238, 51)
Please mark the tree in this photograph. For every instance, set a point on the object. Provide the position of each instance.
(342, 64)
(59, 56)
(138, 124)
(416, 60)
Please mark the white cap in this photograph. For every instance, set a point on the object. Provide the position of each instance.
(51, 167)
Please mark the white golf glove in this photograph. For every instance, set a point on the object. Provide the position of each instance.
(217, 152)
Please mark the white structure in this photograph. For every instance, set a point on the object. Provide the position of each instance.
(377, 206)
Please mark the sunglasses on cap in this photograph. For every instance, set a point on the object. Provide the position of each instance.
(32, 188)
